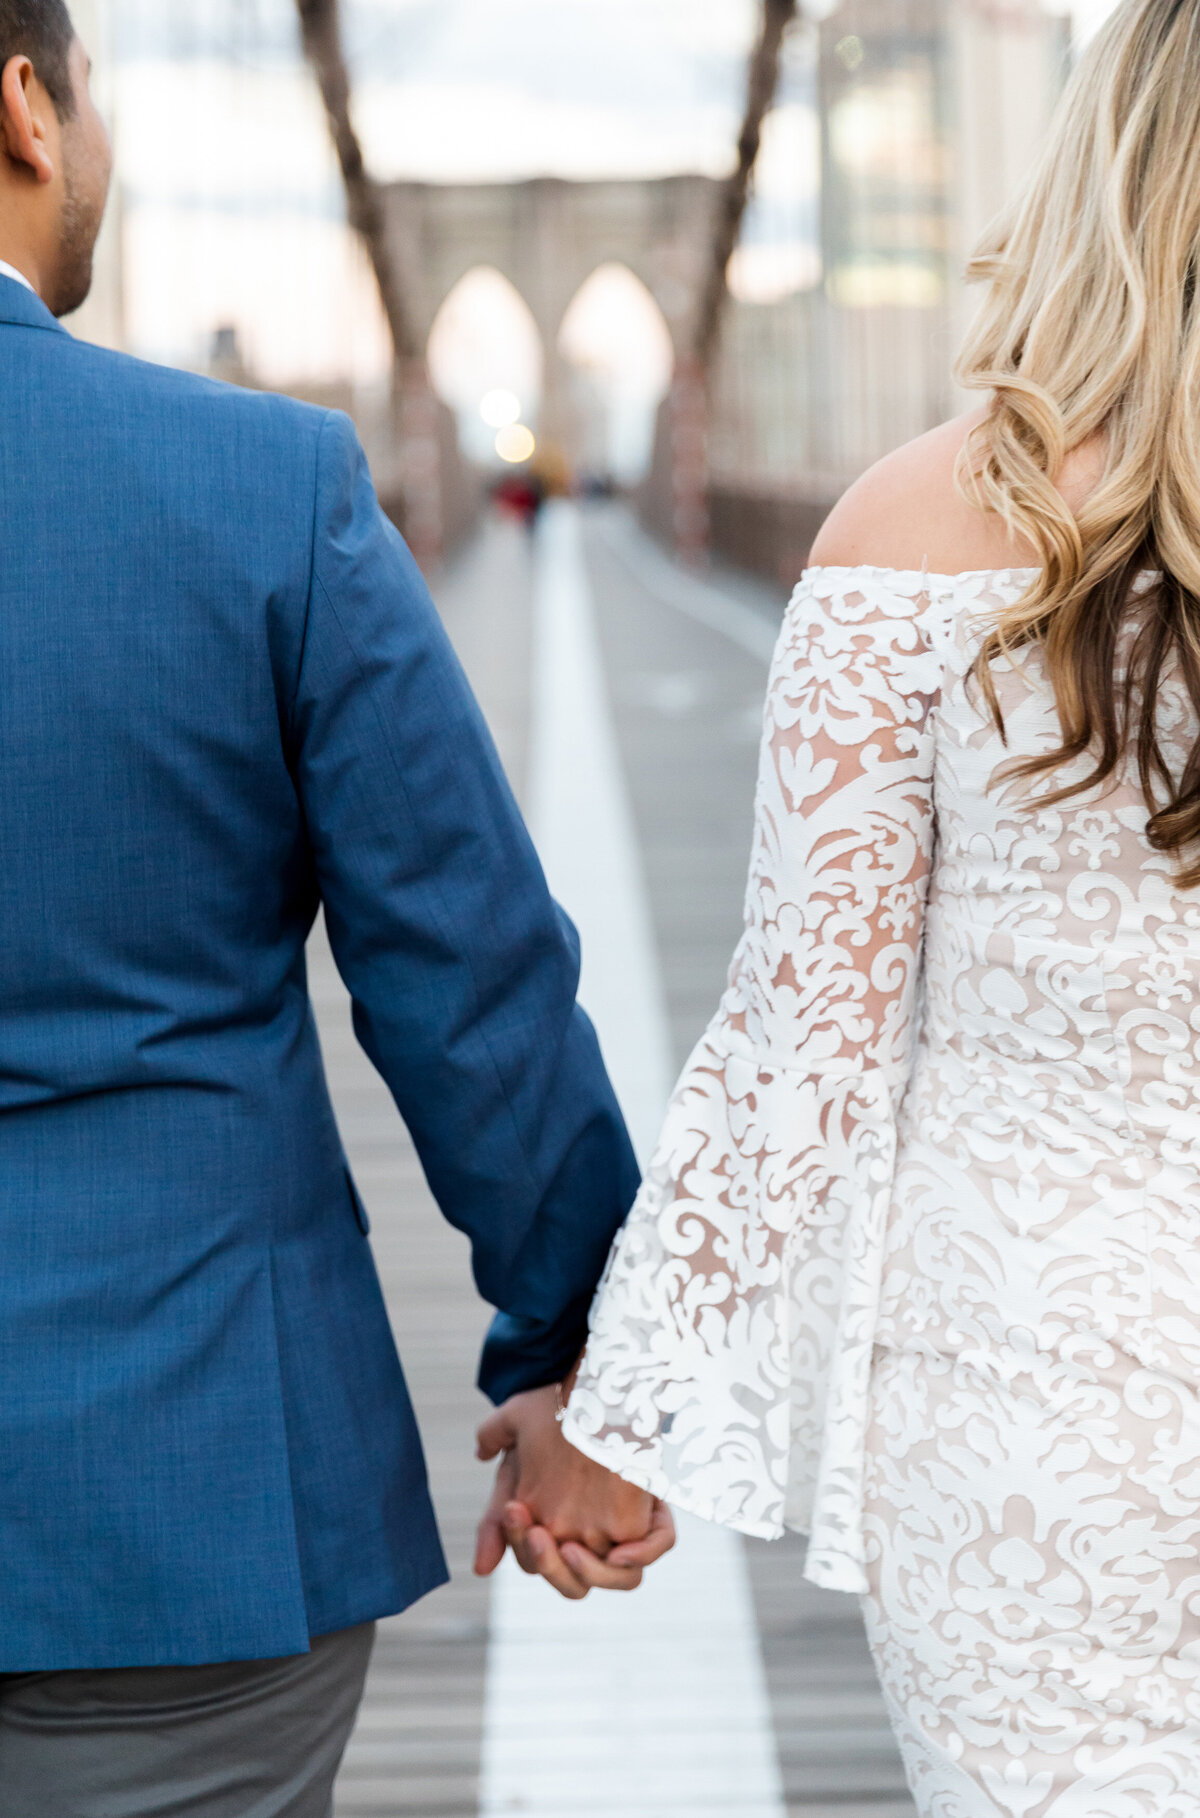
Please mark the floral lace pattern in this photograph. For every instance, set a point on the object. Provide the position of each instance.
(916, 1266)
(731, 1339)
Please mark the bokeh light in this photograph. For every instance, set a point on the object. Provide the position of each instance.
(515, 444)
(500, 409)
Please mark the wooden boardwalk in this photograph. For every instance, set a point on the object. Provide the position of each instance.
(687, 702)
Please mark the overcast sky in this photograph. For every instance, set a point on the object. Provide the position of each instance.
(444, 88)
(475, 87)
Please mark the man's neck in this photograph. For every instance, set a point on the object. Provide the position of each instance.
(19, 253)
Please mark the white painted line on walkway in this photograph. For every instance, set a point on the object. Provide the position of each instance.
(696, 598)
(654, 1705)
(582, 821)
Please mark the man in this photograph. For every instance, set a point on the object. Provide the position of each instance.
(227, 699)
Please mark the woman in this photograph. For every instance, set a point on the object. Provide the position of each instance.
(917, 1266)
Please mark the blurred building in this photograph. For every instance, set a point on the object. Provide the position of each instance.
(929, 112)
(102, 318)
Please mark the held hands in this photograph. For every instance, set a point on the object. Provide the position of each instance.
(566, 1518)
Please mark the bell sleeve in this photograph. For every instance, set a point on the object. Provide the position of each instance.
(728, 1364)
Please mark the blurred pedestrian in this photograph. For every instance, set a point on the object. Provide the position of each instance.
(520, 494)
(228, 700)
(916, 1269)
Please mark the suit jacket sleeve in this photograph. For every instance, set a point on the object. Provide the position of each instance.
(462, 970)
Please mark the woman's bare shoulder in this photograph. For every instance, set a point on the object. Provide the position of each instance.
(906, 512)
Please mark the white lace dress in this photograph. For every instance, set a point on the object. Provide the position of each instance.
(916, 1268)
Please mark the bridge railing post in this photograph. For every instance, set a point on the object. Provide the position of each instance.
(688, 406)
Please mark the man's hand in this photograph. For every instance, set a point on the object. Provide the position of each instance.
(566, 1518)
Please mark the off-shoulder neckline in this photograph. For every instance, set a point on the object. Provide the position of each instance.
(923, 575)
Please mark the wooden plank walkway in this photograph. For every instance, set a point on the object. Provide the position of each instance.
(688, 706)
(416, 1752)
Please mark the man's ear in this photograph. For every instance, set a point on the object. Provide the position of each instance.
(22, 119)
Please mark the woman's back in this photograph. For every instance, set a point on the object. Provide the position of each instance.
(1056, 1090)
(1030, 1498)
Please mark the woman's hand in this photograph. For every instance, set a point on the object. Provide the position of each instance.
(566, 1518)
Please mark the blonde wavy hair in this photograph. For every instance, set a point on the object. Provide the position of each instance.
(1092, 325)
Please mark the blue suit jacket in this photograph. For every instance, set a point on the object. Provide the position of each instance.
(226, 698)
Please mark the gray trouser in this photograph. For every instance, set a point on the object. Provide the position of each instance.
(258, 1739)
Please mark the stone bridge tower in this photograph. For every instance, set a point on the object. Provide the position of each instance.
(546, 235)
(930, 110)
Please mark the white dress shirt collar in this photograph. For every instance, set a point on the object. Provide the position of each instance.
(10, 271)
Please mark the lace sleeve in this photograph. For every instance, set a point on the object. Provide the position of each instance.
(729, 1355)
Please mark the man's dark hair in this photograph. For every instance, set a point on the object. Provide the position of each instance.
(42, 31)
